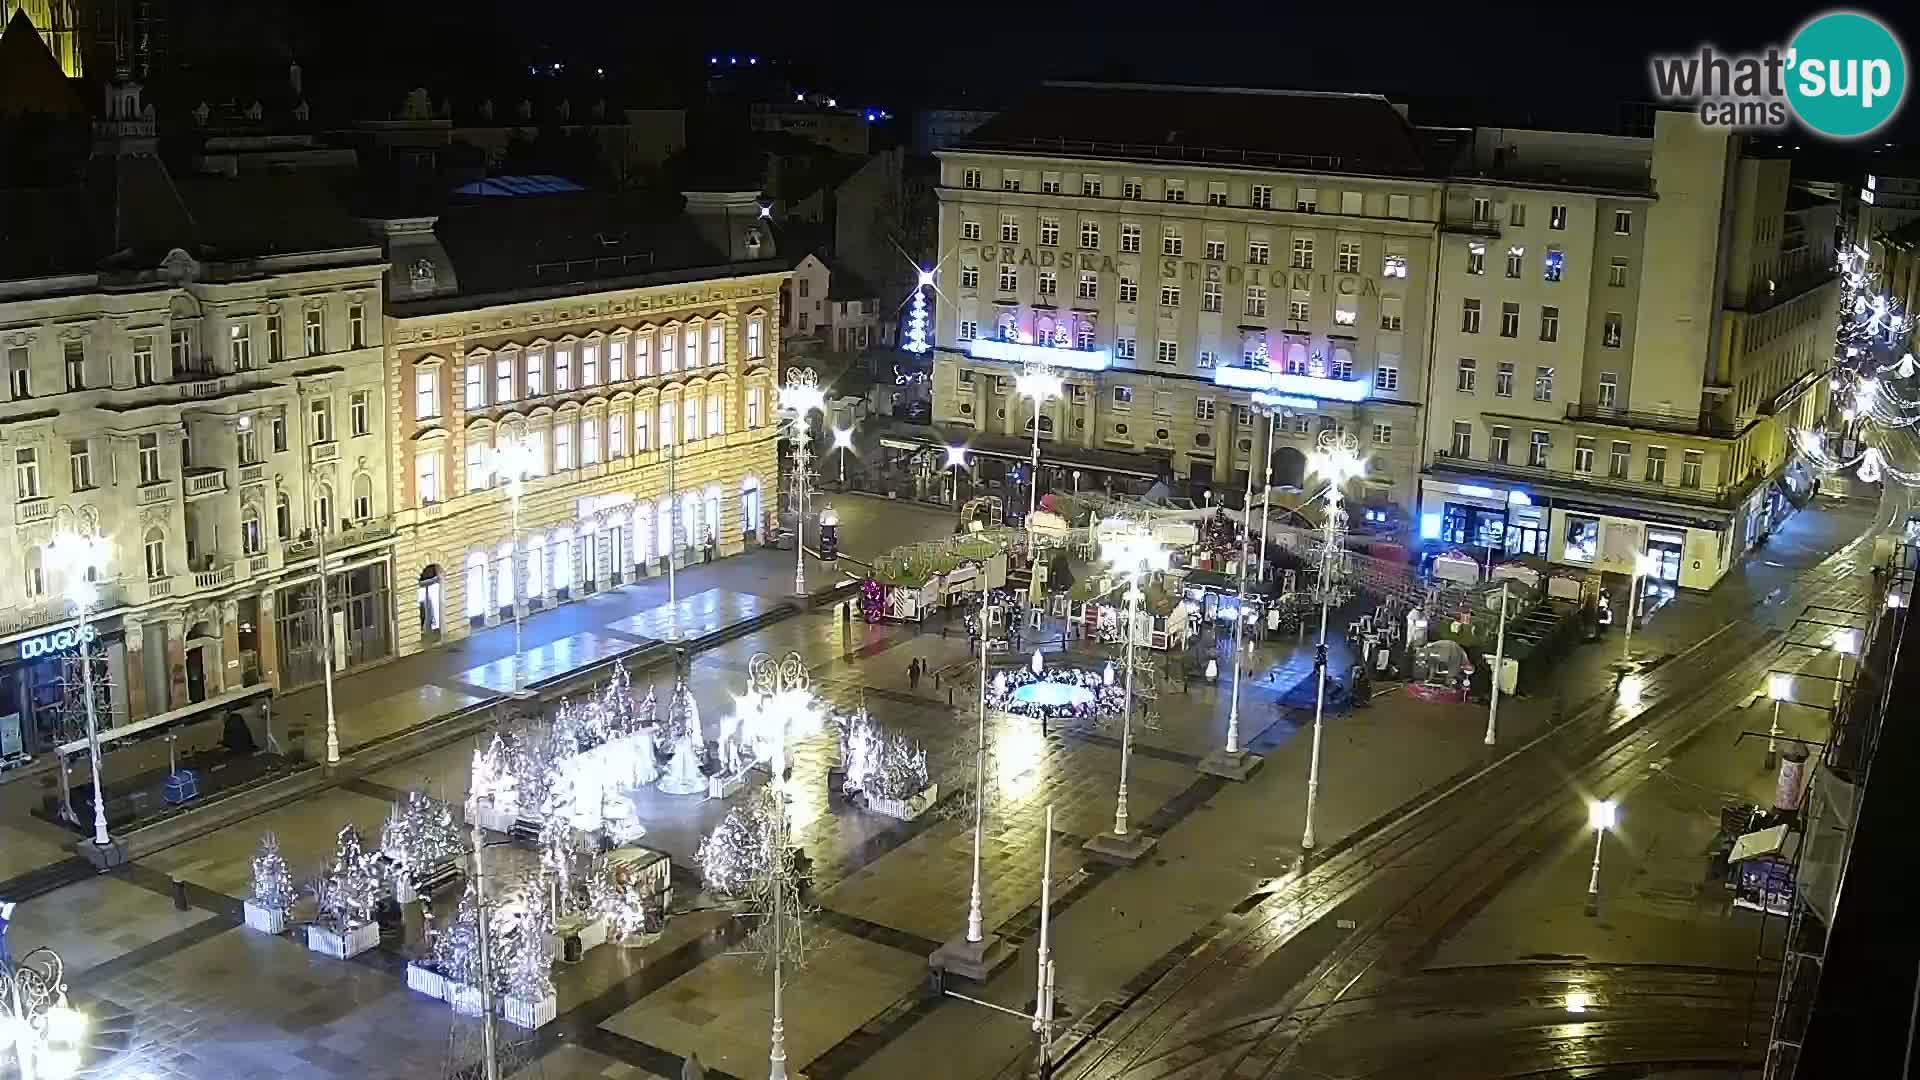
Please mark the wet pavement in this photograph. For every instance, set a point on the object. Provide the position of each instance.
(200, 997)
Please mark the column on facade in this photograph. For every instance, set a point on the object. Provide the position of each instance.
(177, 654)
(229, 651)
(135, 689)
(267, 634)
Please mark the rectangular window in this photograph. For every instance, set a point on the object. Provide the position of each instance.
(1543, 384)
(1656, 464)
(1123, 398)
(503, 380)
(478, 457)
(427, 476)
(1619, 460)
(1162, 403)
(1503, 380)
(1344, 313)
(1259, 253)
(1583, 539)
(1049, 283)
(1211, 295)
(149, 454)
(1216, 193)
(360, 412)
(1009, 181)
(1049, 232)
(19, 372)
(1516, 261)
(1171, 242)
(1260, 197)
(1342, 366)
(1540, 449)
(536, 372)
(1609, 389)
(1549, 324)
(1516, 213)
(689, 419)
(970, 179)
(1476, 258)
(590, 358)
(1383, 434)
(1169, 296)
(1386, 377)
(280, 431)
(1125, 348)
(1090, 186)
(537, 453)
(1083, 337)
(357, 324)
(1089, 285)
(1169, 352)
(1256, 301)
(1303, 253)
(1468, 374)
(716, 415)
(1469, 316)
(969, 277)
(616, 434)
(969, 329)
(1557, 217)
(562, 446)
(563, 362)
(670, 350)
(182, 342)
(1129, 291)
(1617, 273)
(1129, 239)
(1610, 332)
(1306, 200)
(1509, 320)
(1583, 454)
(476, 384)
(1176, 191)
(1299, 306)
(1205, 360)
(1462, 439)
(316, 331)
(1692, 463)
(1009, 229)
(1391, 312)
(1050, 183)
(1090, 235)
(320, 420)
(1352, 202)
(239, 348)
(617, 360)
(666, 424)
(26, 474)
(1215, 251)
(1393, 264)
(1498, 439)
(1348, 259)
(276, 339)
(1009, 278)
(1399, 206)
(1556, 264)
(1133, 188)
(1203, 408)
(1622, 222)
(643, 349)
(969, 230)
(1482, 210)
(426, 394)
(80, 461)
(643, 427)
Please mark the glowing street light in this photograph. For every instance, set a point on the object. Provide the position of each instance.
(1602, 815)
(843, 442)
(1499, 669)
(44, 1031)
(801, 396)
(956, 459)
(1040, 384)
(1845, 643)
(516, 459)
(1135, 555)
(1338, 461)
(80, 561)
(1233, 762)
(1779, 688)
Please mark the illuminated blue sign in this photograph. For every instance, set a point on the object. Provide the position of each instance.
(58, 641)
(1477, 491)
(1283, 401)
(1014, 352)
(1245, 378)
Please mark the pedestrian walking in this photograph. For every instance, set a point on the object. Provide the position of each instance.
(913, 673)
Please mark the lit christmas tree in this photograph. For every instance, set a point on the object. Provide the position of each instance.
(917, 323)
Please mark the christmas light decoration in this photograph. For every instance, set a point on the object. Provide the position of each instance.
(346, 895)
(272, 881)
(917, 342)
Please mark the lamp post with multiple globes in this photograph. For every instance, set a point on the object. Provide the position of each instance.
(1135, 553)
(1338, 460)
(799, 397)
(80, 560)
(1039, 384)
(515, 459)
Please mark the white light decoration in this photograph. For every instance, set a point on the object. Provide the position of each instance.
(45, 1033)
(917, 342)
(1870, 471)
(956, 457)
(1337, 460)
(801, 396)
(81, 560)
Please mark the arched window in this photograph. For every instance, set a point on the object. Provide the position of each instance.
(156, 552)
(252, 541)
(712, 519)
(503, 576)
(643, 534)
(282, 516)
(362, 497)
(323, 507)
(536, 569)
(560, 558)
(476, 584)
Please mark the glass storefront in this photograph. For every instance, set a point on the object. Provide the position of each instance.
(36, 711)
(1466, 524)
(360, 599)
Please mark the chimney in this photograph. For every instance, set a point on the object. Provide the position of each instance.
(734, 222)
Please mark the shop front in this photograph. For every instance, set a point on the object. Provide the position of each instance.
(360, 599)
(36, 714)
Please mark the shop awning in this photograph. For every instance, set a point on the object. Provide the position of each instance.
(153, 725)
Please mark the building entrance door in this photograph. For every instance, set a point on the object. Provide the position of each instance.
(1666, 549)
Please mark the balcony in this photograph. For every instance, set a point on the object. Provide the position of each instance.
(252, 474)
(325, 451)
(213, 577)
(202, 482)
(1705, 425)
(1596, 482)
(259, 564)
(30, 511)
(53, 610)
(351, 534)
(158, 491)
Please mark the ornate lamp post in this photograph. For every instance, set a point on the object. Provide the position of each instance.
(1602, 815)
(956, 459)
(1234, 762)
(1039, 383)
(516, 459)
(800, 396)
(80, 561)
(976, 954)
(843, 442)
(1135, 554)
(1338, 460)
(1499, 666)
(36, 1023)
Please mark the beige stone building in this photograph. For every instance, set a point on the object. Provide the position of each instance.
(1176, 251)
(634, 358)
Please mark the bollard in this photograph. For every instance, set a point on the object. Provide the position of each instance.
(949, 697)
(179, 895)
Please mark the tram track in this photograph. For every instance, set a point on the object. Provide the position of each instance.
(1404, 884)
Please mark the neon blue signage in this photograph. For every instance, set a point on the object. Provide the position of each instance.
(56, 642)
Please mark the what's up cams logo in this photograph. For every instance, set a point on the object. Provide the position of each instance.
(1843, 76)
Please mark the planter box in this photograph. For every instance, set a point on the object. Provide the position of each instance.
(264, 919)
(592, 933)
(403, 890)
(343, 945)
(530, 1014)
(905, 809)
(724, 787)
(487, 816)
(426, 981)
(464, 999)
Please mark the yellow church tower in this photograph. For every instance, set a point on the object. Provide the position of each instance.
(60, 24)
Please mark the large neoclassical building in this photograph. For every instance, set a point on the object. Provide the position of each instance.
(628, 359)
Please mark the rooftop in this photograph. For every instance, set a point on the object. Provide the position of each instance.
(1351, 133)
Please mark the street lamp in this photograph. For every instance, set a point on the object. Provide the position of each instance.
(1234, 763)
(956, 459)
(1039, 383)
(1135, 554)
(1644, 564)
(320, 529)
(36, 1022)
(1499, 667)
(516, 458)
(843, 442)
(1602, 815)
(1779, 687)
(1338, 460)
(800, 396)
(80, 560)
(1845, 643)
